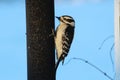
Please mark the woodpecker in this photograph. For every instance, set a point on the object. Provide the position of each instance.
(63, 37)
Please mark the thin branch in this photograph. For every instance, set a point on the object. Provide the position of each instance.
(83, 60)
(111, 55)
(105, 41)
(110, 52)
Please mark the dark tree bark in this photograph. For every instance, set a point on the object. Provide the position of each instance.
(40, 45)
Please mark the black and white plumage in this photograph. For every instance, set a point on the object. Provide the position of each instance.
(64, 37)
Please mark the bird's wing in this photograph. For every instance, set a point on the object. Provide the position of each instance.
(67, 39)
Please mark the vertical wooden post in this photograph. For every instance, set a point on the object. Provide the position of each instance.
(40, 45)
(117, 39)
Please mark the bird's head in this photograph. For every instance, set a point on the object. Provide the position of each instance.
(65, 19)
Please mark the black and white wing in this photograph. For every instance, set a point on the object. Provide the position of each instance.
(67, 40)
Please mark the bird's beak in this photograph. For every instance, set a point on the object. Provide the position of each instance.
(58, 18)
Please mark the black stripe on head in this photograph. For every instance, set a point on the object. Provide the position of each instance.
(68, 18)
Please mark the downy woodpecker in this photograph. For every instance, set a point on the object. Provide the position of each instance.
(63, 37)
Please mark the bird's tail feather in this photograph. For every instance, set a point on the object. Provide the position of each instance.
(57, 64)
(60, 59)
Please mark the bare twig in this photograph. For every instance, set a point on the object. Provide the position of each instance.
(111, 55)
(110, 52)
(105, 41)
(83, 60)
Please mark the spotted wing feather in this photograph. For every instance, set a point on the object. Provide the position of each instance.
(67, 40)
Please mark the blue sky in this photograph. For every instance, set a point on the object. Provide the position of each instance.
(94, 22)
(12, 41)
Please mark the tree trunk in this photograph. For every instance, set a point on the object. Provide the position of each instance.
(40, 43)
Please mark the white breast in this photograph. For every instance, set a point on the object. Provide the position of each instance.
(58, 39)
